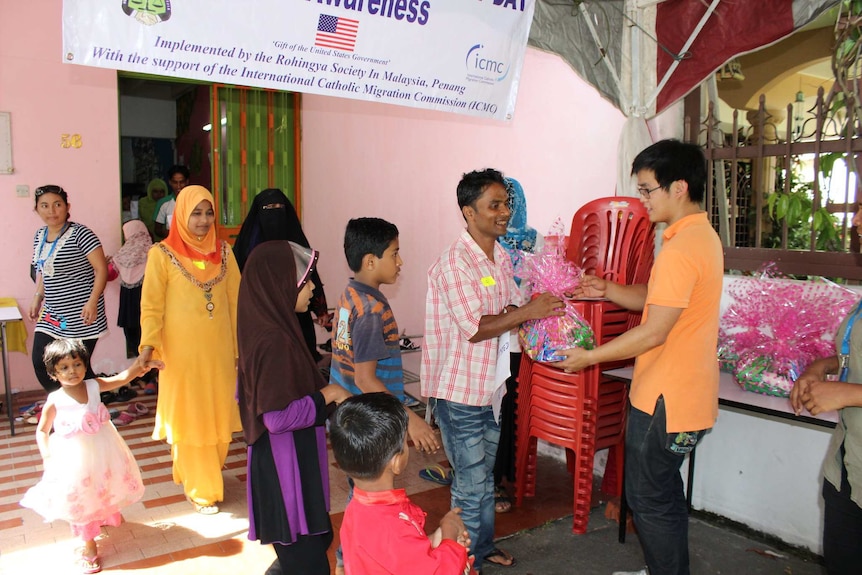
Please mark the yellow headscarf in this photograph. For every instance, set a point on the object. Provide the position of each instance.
(187, 247)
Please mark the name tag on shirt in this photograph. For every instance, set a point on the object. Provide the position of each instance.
(488, 281)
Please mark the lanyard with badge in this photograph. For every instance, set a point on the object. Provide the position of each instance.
(844, 355)
(40, 263)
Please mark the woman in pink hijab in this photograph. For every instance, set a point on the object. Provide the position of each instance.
(130, 261)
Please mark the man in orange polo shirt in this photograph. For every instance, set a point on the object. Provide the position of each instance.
(674, 392)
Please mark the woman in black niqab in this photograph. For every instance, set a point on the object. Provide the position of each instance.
(273, 217)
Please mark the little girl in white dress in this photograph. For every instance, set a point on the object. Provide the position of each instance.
(89, 474)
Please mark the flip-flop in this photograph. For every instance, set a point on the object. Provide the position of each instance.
(126, 393)
(31, 409)
(502, 501)
(410, 401)
(90, 565)
(204, 508)
(437, 474)
(498, 556)
(137, 408)
(125, 418)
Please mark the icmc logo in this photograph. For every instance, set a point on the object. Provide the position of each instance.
(478, 64)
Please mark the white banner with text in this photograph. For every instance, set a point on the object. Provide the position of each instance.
(462, 56)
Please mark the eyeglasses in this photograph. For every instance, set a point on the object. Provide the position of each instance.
(49, 190)
(645, 192)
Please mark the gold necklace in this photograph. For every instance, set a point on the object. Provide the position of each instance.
(205, 286)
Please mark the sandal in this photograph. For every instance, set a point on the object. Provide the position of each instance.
(125, 418)
(410, 401)
(150, 389)
(31, 409)
(90, 564)
(204, 508)
(407, 344)
(138, 409)
(437, 474)
(502, 502)
(500, 558)
(126, 393)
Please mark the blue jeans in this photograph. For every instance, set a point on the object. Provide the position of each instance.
(470, 438)
(654, 489)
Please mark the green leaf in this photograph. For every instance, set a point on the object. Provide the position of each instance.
(827, 163)
(845, 49)
(794, 209)
(770, 202)
(781, 210)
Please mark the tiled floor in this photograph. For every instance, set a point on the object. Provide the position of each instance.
(163, 535)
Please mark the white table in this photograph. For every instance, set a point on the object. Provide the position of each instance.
(8, 314)
(731, 395)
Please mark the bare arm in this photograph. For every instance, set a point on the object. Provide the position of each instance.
(43, 429)
(491, 326)
(424, 438)
(100, 266)
(631, 297)
(139, 367)
(36, 304)
(334, 393)
(632, 343)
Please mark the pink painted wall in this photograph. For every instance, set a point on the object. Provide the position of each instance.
(47, 99)
(401, 164)
(358, 159)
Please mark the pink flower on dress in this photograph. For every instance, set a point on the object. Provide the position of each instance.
(90, 423)
(103, 414)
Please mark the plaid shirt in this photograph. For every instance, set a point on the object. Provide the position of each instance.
(464, 285)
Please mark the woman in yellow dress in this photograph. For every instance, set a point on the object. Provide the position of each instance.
(188, 320)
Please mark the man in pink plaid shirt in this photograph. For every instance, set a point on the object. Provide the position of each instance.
(472, 300)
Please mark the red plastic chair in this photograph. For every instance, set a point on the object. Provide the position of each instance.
(582, 412)
(574, 411)
(612, 238)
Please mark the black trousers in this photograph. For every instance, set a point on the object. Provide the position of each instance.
(504, 466)
(842, 530)
(40, 340)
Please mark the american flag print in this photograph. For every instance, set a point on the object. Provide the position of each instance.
(336, 32)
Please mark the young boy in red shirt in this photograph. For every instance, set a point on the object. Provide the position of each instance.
(383, 532)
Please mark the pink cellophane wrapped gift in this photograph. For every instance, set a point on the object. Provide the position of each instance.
(550, 271)
(774, 328)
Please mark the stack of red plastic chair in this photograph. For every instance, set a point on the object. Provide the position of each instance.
(584, 412)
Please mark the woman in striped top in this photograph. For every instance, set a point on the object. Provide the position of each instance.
(71, 273)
